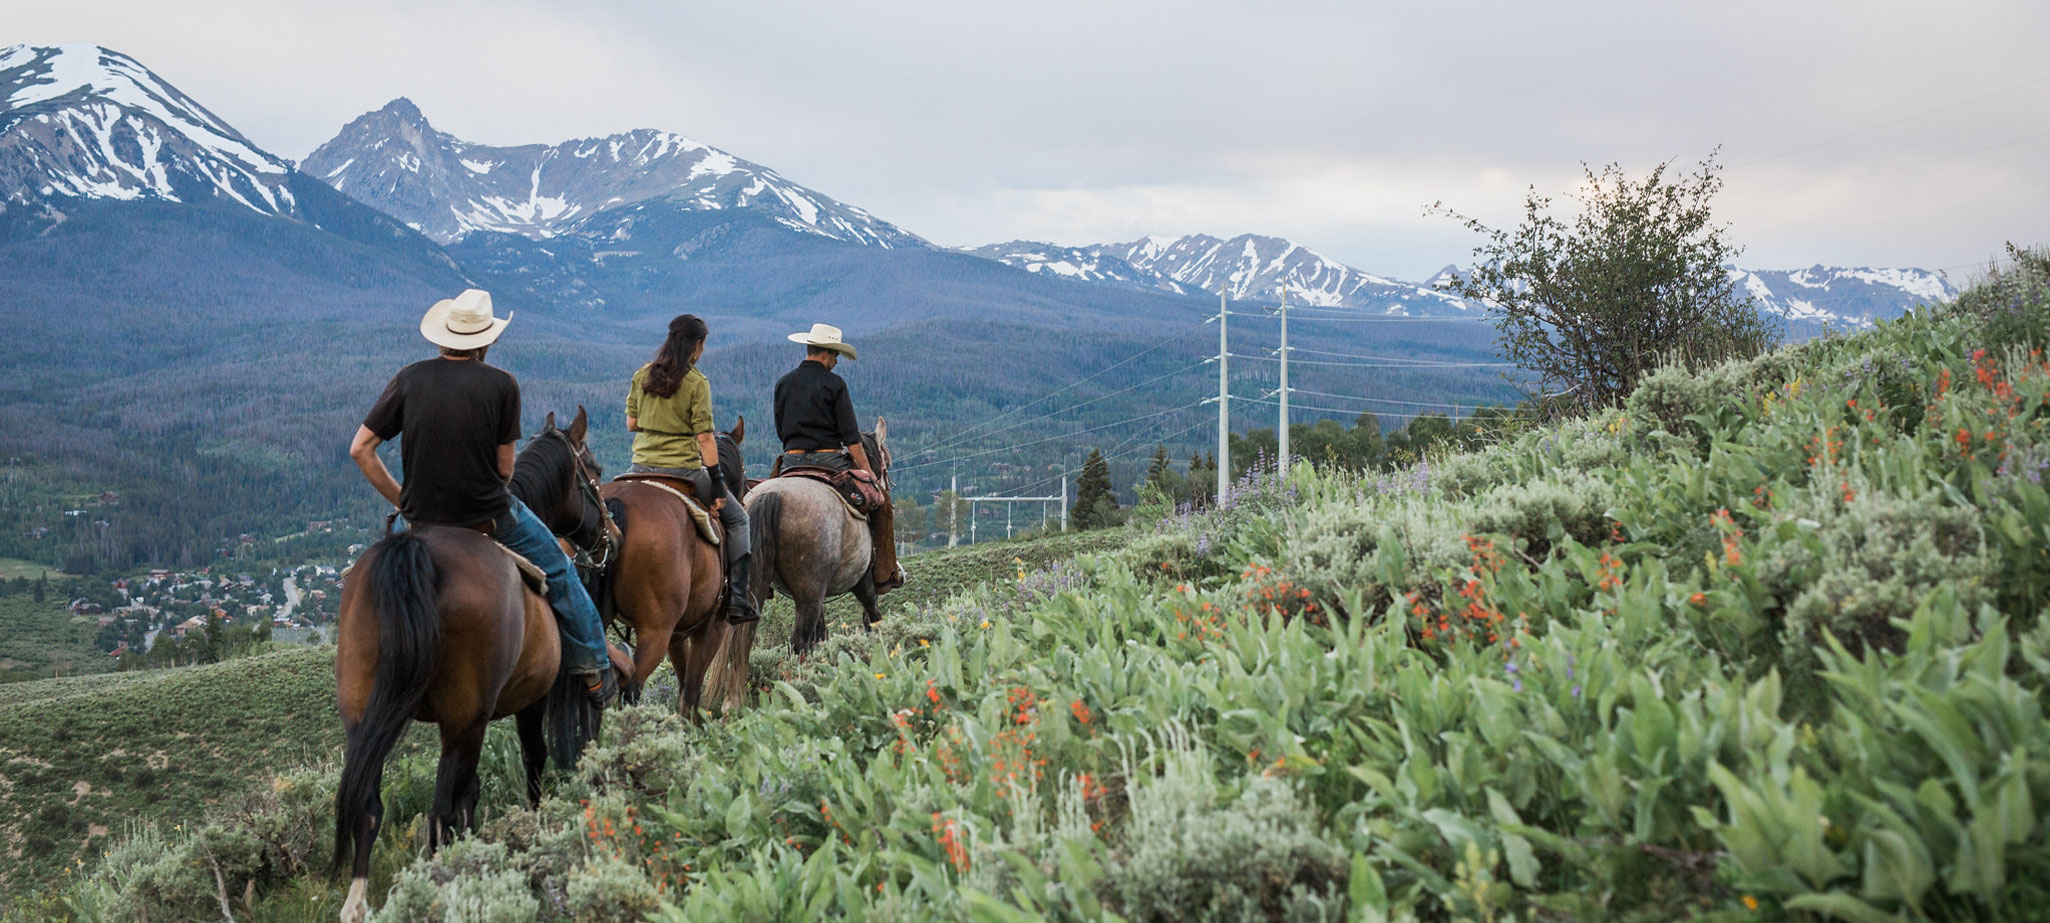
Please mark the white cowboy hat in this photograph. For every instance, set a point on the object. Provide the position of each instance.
(463, 322)
(824, 336)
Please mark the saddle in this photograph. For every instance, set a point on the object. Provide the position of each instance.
(708, 525)
(530, 573)
(857, 489)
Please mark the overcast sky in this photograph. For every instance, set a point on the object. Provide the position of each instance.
(1878, 132)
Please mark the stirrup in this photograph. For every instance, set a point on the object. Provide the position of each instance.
(606, 693)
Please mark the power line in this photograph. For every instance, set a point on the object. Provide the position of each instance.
(1902, 120)
(1353, 411)
(1197, 364)
(1041, 441)
(1425, 363)
(970, 433)
(1420, 364)
(1385, 400)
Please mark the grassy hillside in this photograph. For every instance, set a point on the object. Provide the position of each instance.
(84, 758)
(1769, 641)
(37, 638)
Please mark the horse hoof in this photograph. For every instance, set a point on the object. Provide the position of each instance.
(356, 907)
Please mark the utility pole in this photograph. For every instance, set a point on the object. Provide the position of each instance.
(954, 509)
(1282, 433)
(1064, 491)
(1223, 400)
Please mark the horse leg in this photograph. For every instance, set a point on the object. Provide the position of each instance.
(455, 781)
(533, 748)
(865, 591)
(655, 641)
(809, 629)
(698, 652)
(357, 906)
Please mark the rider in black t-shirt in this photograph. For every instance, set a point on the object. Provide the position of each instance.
(456, 420)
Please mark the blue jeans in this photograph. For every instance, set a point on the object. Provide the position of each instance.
(583, 633)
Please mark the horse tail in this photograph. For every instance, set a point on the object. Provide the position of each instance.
(726, 683)
(403, 592)
(765, 522)
(572, 721)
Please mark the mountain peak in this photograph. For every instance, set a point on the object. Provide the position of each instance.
(404, 109)
(81, 120)
(446, 187)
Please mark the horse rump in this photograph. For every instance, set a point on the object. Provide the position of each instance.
(403, 590)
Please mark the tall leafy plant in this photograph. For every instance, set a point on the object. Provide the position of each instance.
(1593, 303)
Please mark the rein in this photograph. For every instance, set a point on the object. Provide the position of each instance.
(595, 555)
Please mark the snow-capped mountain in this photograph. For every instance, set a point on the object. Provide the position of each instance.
(1246, 267)
(1086, 264)
(446, 187)
(84, 122)
(1840, 297)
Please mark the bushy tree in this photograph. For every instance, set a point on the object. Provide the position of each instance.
(1637, 279)
(1096, 504)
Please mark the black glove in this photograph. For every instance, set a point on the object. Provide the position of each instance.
(718, 482)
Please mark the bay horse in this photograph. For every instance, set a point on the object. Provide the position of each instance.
(665, 584)
(810, 547)
(437, 625)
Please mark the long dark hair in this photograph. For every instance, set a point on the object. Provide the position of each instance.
(672, 361)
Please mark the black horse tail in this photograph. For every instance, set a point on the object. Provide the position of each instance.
(403, 591)
(572, 720)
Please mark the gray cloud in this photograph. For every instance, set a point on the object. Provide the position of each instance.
(1332, 123)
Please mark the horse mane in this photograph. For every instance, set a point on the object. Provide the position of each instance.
(540, 474)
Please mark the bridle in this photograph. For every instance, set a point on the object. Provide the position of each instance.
(595, 543)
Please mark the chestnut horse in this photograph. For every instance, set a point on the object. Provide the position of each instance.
(437, 625)
(665, 581)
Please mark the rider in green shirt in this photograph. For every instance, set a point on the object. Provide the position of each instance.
(669, 410)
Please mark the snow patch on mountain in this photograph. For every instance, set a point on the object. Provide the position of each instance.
(1842, 297)
(1247, 267)
(84, 121)
(447, 187)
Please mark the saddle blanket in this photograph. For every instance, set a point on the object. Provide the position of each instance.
(698, 514)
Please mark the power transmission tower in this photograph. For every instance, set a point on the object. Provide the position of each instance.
(1282, 433)
(1223, 400)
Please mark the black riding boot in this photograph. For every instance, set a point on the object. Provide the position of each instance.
(740, 600)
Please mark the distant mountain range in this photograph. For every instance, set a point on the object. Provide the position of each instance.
(197, 322)
(1267, 269)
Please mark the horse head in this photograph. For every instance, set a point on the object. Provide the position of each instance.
(556, 476)
(731, 466)
(876, 443)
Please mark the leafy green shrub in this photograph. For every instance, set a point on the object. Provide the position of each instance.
(2012, 305)
(1539, 513)
(1189, 854)
(468, 881)
(1856, 570)
(607, 889)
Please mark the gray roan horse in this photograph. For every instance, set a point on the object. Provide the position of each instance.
(807, 545)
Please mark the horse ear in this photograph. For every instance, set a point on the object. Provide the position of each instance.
(882, 432)
(739, 432)
(579, 426)
(549, 422)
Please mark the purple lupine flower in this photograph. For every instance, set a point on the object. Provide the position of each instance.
(1576, 692)
(1516, 685)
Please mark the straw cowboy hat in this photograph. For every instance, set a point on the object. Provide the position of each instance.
(463, 322)
(824, 336)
